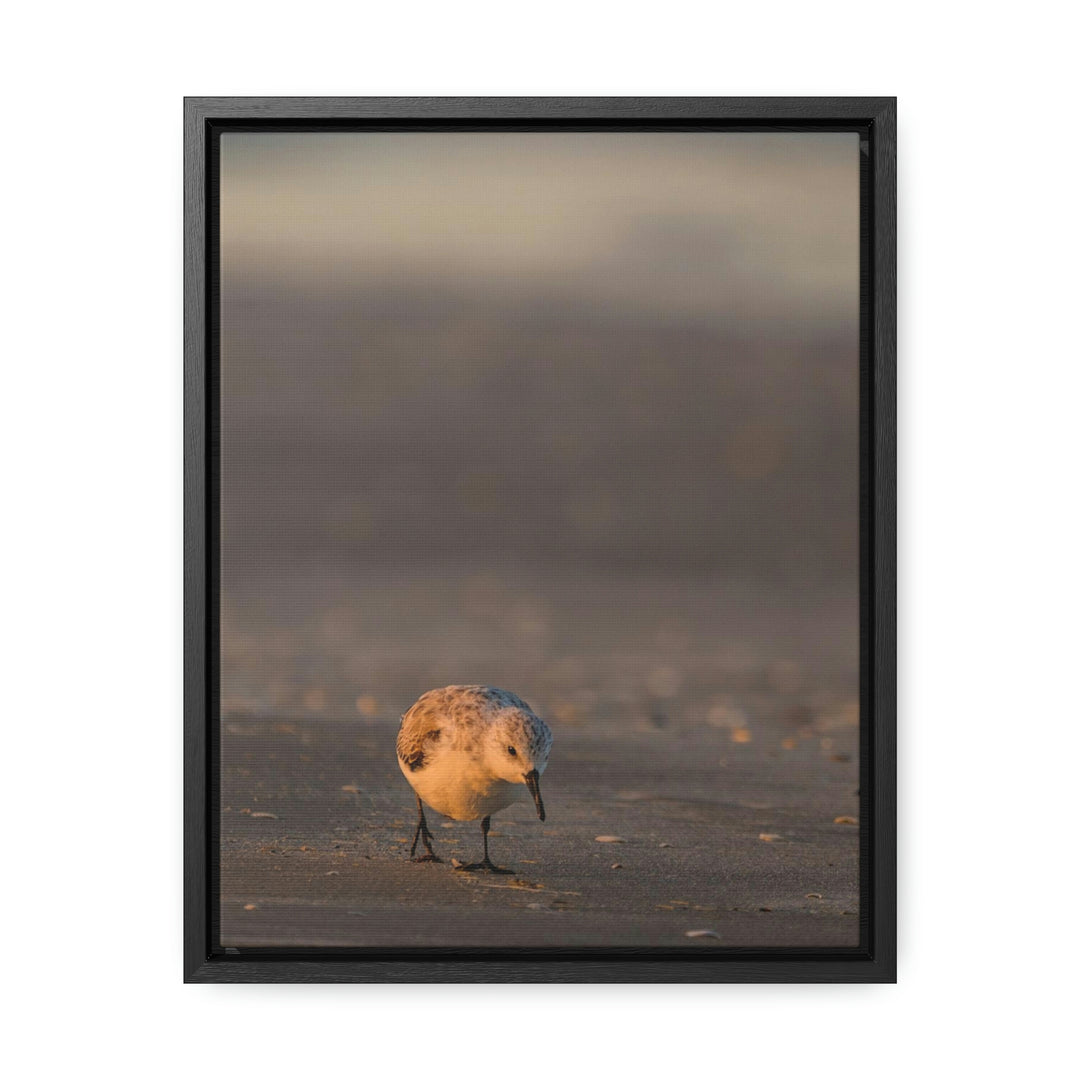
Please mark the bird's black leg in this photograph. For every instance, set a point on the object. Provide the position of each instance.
(422, 831)
(487, 864)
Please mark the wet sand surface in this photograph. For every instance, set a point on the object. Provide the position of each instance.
(717, 831)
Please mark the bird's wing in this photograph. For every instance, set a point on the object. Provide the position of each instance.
(419, 730)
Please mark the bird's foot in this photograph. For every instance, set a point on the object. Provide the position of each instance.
(487, 865)
(429, 857)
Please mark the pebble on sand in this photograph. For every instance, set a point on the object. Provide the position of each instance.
(366, 705)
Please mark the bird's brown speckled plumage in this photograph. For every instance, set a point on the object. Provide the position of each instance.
(469, 708)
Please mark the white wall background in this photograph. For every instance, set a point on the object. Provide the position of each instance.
(91, 432)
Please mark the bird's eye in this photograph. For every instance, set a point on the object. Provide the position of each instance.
(511, 751)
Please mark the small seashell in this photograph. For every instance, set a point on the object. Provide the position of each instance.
(703, 933)
(456, 863)
(610, 840)
(813, 896)
(769, 837)
(264, 813)
(665, 845)
(844, 819)
(250, 907)
(616, 866)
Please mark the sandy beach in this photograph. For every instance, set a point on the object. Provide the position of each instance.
(734, 834)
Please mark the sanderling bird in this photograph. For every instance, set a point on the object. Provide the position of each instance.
(469, 751)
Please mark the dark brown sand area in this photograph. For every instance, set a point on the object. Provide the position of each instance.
(713, 730)
(728, 830)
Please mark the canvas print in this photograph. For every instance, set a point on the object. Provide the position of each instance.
(539, 539)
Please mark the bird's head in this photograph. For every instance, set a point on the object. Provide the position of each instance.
(517, 751)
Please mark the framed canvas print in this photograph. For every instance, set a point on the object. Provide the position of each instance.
(540, 558)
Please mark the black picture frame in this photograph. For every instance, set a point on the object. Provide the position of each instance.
(875, 959)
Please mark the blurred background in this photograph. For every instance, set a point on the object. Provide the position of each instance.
(570, 413)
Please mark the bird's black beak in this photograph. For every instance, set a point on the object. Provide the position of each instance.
(532, 782)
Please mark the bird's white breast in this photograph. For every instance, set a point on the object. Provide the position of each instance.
(458, 785)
